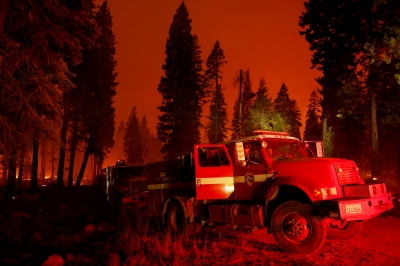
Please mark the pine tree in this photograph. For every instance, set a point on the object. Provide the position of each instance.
(218, 118)
(214, 63)
(133, 139)
(36, 48)
(313, 128)
(288, 110)
(295, 119)
(261, 110)
(282, 102)
(181, 90)
(243, 129)
(96, 92)
(237, 109)
(119, 141)
(145, 134)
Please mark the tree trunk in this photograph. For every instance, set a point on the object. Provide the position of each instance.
(63, 141)
(240, 103)
(216, 105)
(74, 144)
(84, 163)
(21, 166)
(324, 127)
(397, 160)
(11, 173)
(374, 127)
(35, 163)
(3, 13)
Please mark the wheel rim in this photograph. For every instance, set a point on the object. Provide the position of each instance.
(296, 227)
(342, 225)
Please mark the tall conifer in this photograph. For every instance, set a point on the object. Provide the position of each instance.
(313, 128)
(133, 139)
(218, 118)
(181, 89)
(96, 90)
(288, 110)
(214, 63)
(145, 134)
(240, 125)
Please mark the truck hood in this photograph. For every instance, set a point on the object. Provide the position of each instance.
(314, 172)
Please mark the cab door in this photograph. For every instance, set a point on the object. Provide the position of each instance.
(214, 172)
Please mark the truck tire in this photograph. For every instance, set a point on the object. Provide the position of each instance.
(177, 223)
(296, 229)
(344, 230)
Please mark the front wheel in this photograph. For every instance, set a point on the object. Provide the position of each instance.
(296, 229)
(177, 223)
(343, 230)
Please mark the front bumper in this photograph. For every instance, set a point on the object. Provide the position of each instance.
(364, 208)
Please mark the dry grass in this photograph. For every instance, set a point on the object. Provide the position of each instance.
(143, 242)
(54, 223)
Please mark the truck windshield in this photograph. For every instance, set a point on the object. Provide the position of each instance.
(285, 149)
(128, 171)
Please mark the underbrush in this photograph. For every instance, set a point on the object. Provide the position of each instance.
(144, 242)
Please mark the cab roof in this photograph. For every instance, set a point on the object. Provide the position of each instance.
(262, 134)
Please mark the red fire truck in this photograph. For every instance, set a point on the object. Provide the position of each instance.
(264, 180)
(125, 186)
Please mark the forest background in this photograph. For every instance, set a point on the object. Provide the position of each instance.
(58, 86)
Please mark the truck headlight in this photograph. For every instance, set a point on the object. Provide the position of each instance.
(325, 192)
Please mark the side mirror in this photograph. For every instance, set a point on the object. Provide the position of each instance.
(314, 148)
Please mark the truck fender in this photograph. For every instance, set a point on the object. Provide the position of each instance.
(287, 182)
(272, 193)
(187, 206)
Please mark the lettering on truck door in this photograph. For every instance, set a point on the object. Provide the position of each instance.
(214, 172)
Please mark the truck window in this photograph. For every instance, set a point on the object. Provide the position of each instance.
(253, 153)
(286, 149)
(212, 156)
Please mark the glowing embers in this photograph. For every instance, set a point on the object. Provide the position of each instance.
(325, 192)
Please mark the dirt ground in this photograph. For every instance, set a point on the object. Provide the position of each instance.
(78, 227)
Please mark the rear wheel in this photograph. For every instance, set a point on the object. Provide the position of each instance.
(177, 223)
(343, 230)
(296, 229)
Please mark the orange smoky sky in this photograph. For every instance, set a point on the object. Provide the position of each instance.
(259, 35)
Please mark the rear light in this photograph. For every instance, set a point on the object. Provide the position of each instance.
(325, 192)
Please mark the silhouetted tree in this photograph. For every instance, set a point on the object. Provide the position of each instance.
(98, 112)
(313, 128)
(243, 129)
(181, 89)
(133, 146)
(350, 41)
(237, 109)
(295, 119)
(145, 134)
(119, 140)
(36, 47)
(215, 61)
(218, 118)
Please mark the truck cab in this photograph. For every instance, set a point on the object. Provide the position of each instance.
(126, 186)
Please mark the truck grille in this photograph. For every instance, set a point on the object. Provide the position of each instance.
(138, 185)
(347, 173)
(364, 190)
